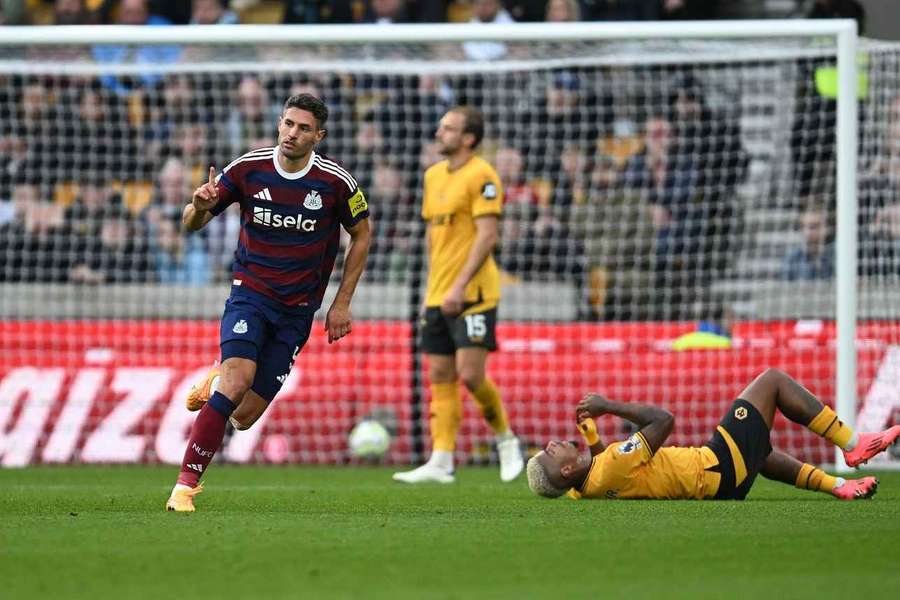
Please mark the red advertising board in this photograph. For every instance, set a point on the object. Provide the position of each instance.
(112, 391)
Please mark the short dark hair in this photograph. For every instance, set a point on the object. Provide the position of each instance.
(310, 103)
(474, 122)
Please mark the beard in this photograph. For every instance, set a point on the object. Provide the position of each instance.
(447, 150)
(292, 153)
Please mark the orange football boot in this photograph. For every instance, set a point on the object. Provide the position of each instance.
(856, 489)
(871, 444)
(199, 394)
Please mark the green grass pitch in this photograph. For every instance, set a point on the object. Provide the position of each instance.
(306, 532)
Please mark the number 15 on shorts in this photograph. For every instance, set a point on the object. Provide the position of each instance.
(476, 327)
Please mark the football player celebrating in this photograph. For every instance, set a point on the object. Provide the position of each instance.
(293, 202)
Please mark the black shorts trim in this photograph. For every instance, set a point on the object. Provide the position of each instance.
(750, 433)
(441, 334)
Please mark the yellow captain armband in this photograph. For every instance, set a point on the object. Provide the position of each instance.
(357, 203)
(588, 429)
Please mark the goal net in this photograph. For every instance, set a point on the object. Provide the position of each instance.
(668, 230)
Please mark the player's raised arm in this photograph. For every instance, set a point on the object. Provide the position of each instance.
(339, 321)
(656, 423)
(196, 214)
(588, 428)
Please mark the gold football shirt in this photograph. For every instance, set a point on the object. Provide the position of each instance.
(452, 201)
(628, 470)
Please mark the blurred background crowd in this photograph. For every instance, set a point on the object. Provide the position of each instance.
(163, 12)
(625, 184)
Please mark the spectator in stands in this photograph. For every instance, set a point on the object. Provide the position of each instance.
(386, 12)
(101, 139)
(221, 239)
(73, 12)
(135, 12)
(712, 142)
(32, 130)
(13, 164)
(880, 181)
(369, 143)
(192, 146)
(566, 113)
(12, 12)
(311, 12)
(177, 13)
(251, 125)
(32, 243)
(621, 10)
(526, 11)
(689, 10)
(165, 110)
(813, 257)
(180, 258)
(85, 214)
(668, 181)
(540, 246)
(882, 242)
(517, 189)
(562, 11)
(172, 186)
(575, 170)
(391, 239)
(514, 230)
(428, 11)
(118, 255)
(487, 11)
(212, 12)
(616, 222)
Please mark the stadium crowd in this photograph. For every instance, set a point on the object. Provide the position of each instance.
(94, 171)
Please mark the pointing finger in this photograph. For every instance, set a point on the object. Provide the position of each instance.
(212, 175)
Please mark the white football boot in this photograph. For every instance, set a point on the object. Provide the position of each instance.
(511, 461)
(438, 469)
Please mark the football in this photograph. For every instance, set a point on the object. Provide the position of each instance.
(369, 439)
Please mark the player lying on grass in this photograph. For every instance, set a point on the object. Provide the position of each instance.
(723, 469)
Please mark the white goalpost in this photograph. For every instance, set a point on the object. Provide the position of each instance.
(669, 187)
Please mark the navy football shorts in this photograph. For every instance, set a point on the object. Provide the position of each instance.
(259, 329)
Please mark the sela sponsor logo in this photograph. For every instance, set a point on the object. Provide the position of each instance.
(196, 467)
(263, 195)
(200, 451)
(265, 216)
(240, 327)
(313, 201)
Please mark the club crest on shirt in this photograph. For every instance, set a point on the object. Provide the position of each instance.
(489, 191)
(240, 327)
(313, 201)
(740, 413)
(633, 443)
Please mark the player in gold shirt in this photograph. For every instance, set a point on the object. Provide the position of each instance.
(724, 468)
(462, 203)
